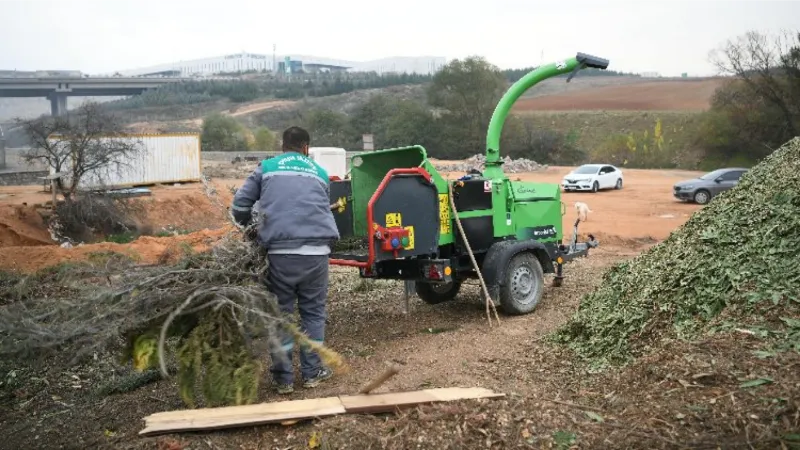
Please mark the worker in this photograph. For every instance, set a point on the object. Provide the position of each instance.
(297, 228)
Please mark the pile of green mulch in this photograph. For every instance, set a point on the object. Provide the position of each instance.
(734, 265)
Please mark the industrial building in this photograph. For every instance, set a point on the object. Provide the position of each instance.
(243, 62)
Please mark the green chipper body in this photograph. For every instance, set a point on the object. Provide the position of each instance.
(400, 207)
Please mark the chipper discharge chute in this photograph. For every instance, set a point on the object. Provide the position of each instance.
(400, 205)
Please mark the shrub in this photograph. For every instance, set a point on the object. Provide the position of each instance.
(223, 133)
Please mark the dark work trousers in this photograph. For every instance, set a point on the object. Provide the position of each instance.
(303, 278)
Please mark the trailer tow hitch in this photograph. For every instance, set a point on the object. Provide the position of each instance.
(568, 253)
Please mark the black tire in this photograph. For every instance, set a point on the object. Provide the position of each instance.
(595, 186)
(701, 197)
(523, 285)
(435, 293)
(618, 186)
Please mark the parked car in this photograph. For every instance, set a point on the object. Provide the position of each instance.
(702, 189)
(593, 177)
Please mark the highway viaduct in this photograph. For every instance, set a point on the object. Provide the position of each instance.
(57, 89)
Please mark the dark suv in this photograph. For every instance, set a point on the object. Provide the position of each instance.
(701, 190)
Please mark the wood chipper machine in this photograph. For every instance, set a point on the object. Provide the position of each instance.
(436, 233)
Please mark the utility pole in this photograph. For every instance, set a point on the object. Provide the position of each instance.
(274, 67)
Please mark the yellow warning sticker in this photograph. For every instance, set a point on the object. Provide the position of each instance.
(444, 214)
(410, 245)
(394, 220)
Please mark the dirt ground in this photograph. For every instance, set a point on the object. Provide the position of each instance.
(643, 211)
(686, 396)
(250, 108)
(688, 95)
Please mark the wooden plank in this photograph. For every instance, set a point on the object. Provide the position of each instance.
(294, 410)
(238, 416)
(377, 403)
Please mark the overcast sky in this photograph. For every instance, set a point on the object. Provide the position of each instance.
(100, 36)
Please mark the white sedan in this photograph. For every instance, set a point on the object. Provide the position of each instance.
(593, 177)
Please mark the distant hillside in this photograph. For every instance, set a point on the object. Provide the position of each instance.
(272, 113)
(624, 94)
(168, 113)
(559, 85)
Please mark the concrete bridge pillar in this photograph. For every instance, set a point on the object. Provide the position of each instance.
(58, 104)
(2, 150)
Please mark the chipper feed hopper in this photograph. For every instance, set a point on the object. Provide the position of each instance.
(401, 205)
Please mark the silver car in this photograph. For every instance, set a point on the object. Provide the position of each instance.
(702, 189)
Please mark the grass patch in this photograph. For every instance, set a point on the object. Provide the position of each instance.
(125, 237)
(171, 231)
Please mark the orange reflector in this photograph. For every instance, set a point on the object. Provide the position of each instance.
(448, 270)
(560, 260)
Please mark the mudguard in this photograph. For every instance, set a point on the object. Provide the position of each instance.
(500, 253)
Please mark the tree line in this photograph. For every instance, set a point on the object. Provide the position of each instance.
(282, 87)
(292, 87)
(450, 123)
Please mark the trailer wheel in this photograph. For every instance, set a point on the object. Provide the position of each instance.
(435, 293)
(523, 285)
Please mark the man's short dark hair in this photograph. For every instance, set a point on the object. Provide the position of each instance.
(294, 138)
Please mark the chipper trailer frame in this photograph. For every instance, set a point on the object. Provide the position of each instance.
(400, 204)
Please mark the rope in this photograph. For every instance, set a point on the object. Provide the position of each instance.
(489, 302)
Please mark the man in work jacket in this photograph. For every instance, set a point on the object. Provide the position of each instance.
(297, 229)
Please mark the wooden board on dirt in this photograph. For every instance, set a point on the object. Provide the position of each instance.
(378, 403)
(239, 416)
(295, 410)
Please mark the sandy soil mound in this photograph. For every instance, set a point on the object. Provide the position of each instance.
(22, 226)
(145, 250)
(188, 212)
(184, 208)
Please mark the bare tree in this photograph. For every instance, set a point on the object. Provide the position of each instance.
(78, 144)
(769, 66)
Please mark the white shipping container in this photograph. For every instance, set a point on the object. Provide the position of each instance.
(332, 159)
(165, 158)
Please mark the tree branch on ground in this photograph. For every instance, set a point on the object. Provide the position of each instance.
(213, 305)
